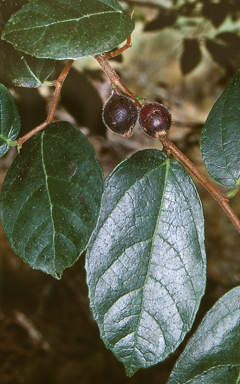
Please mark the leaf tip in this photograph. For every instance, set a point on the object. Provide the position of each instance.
(130, 371)
(56, 274)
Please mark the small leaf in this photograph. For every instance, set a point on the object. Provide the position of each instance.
(229, 38)
(9, 120)
(225, 53)
(191, 56)
(218, 51)
(161, 21)
(146, 261)
(23, 70)
(51, 198)
(220, 140)
(212, 355)
(68, 30)
(216, 12)
(82, 101)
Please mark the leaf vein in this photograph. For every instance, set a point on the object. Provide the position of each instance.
(65, 21)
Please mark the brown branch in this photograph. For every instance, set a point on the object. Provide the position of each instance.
(33, 332)
(219, 196)
(114, 78)
(116, 52)
(169, 146)
(58, 87)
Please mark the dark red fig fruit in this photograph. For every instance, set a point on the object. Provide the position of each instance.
(120, 114)
(155, 119)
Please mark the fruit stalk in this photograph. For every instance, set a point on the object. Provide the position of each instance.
(114, 78)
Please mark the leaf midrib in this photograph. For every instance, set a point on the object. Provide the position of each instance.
(4, 139)
(109, 213)
(166, 163)
(48, 194)
(61, 22)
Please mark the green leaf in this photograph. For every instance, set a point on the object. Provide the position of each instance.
(16, 67)
(9, 120)
(23, 70)
(220, 140)
(68, 30)
(8, 7)
(51, 198)
(212, 355)
(146, 261)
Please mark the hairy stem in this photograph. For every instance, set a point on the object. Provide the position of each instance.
(118, 51)
(114, 78)
(49, 119)
(219, 196)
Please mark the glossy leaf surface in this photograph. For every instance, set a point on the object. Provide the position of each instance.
(220, 140)
(9, 120)
(146, 261)
(51, 198)
(212, 355)
(68, 30)
(21, 69)
(16, 67)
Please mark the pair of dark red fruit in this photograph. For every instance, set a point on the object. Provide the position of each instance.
(120, 114)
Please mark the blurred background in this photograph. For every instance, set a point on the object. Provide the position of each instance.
(183, 55)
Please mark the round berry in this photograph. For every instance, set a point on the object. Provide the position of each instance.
(155, 119)
(120, 114)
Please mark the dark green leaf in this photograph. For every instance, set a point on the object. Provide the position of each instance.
(21, 69)
(212, 355)
(68, 30)
(16, 67)
(8, 7)
(220, 141)
(9, 120)
(51, 198)
(191, 56)
(146, 262)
